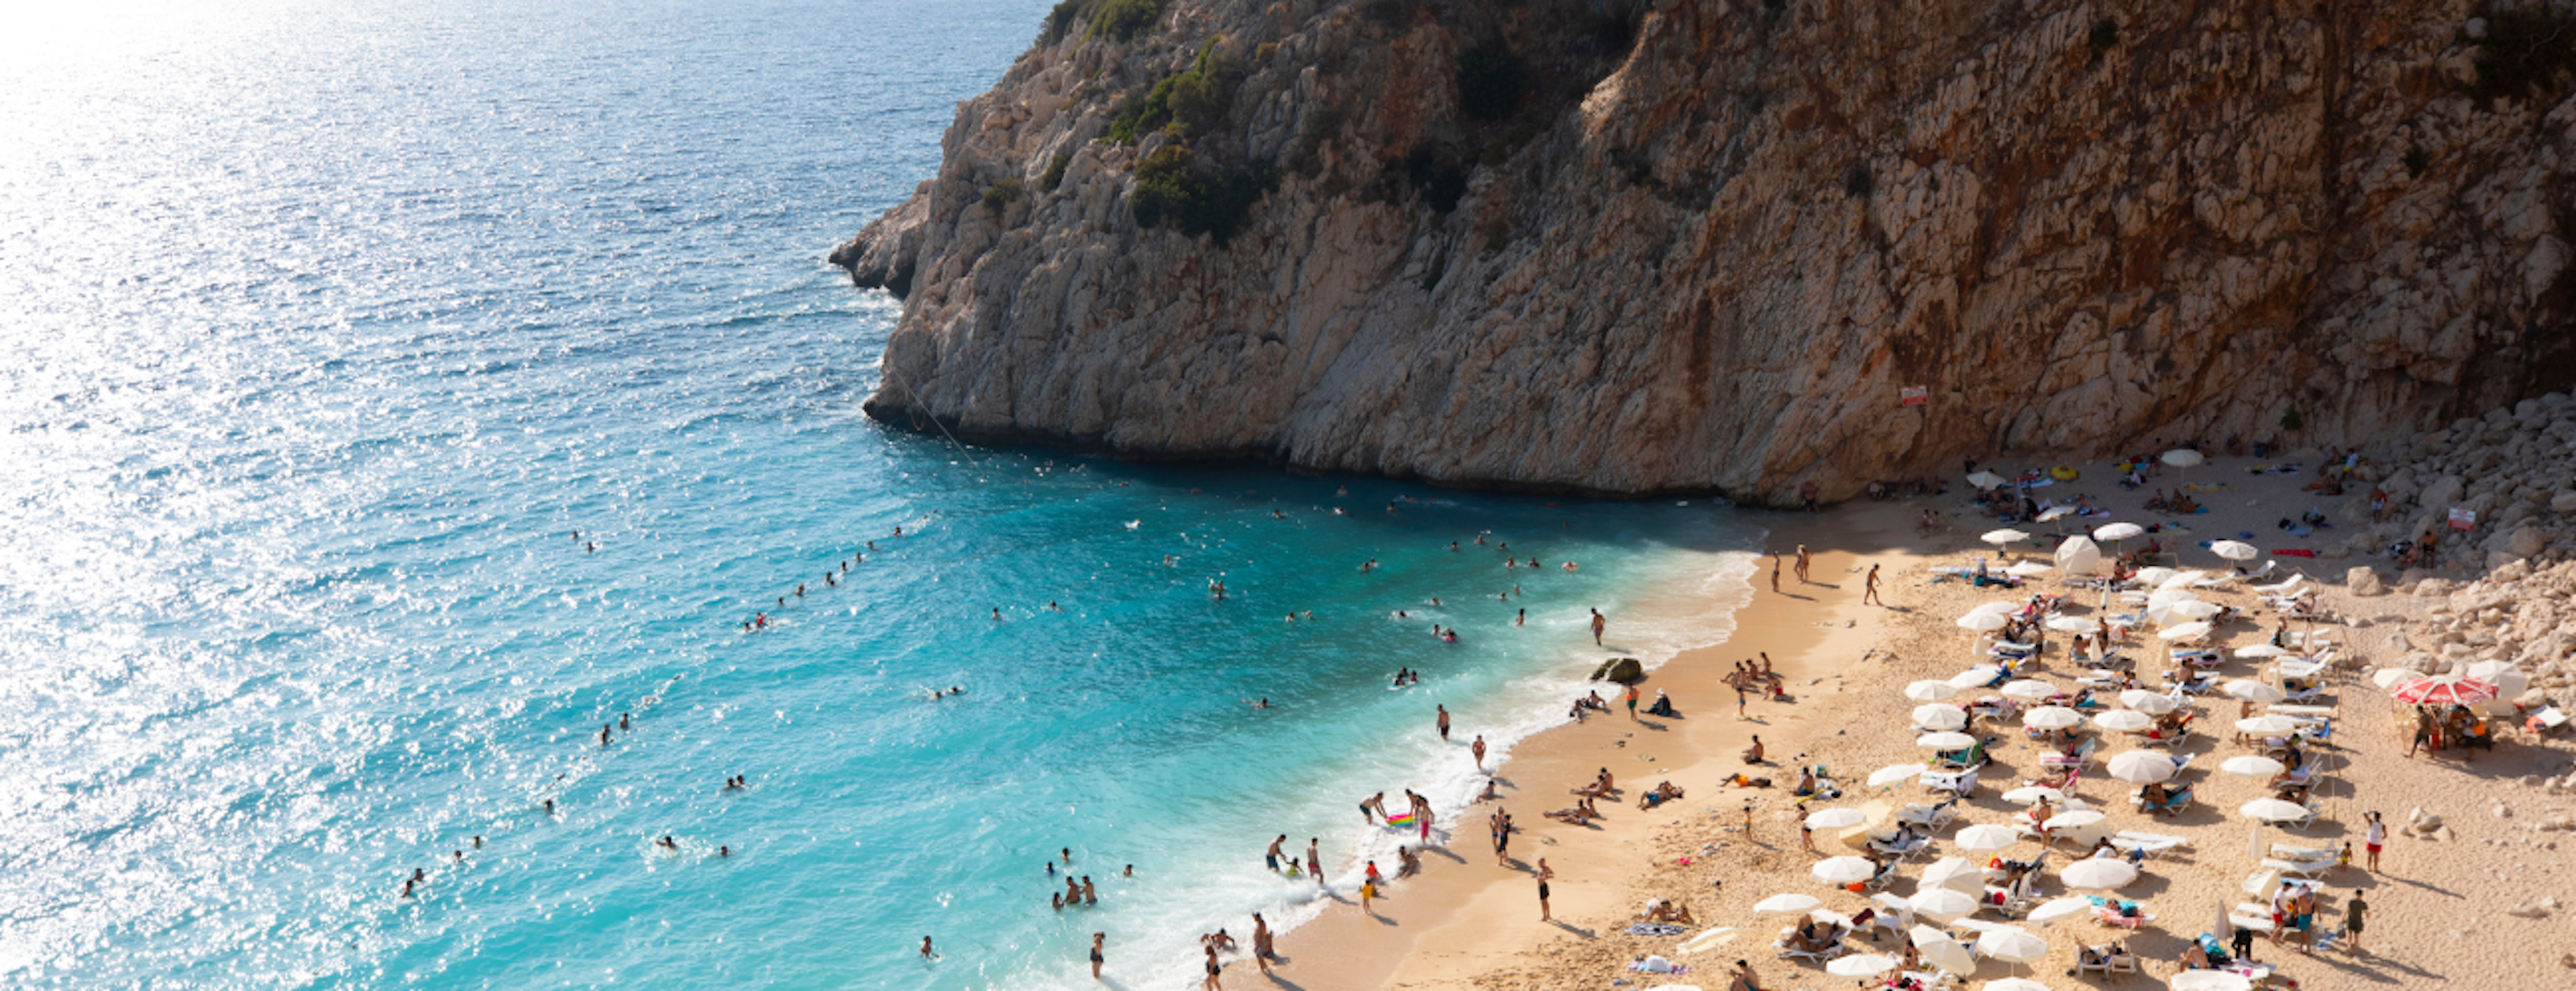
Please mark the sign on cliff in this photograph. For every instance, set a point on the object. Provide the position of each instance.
(1914, 395)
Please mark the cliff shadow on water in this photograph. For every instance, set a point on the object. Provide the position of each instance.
(1625, 248)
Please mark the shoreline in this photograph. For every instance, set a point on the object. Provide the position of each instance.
(1466, 916)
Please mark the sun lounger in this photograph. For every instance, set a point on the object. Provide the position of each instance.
(2147, 844)
(1788, 952)
(1928, 817)
(2119, 963)
(2261, 884)
(2108, 916)
(2251, 916)
(2300, 868)
(2283, 585)
(2302, 711)
(1960, 783)
(1921, 846)
(2176, 803)
(2083, 755)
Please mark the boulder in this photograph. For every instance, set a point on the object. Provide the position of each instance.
(1624, 670)
(2441, 493)
(2363, 580)
(2433, 588)
(2527, 542)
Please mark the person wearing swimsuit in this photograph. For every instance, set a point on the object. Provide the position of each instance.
(1096, 939)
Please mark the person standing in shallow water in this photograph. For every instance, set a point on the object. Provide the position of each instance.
(1444, 721)
(1478, 748)
(1599, 623)
(1096, 940)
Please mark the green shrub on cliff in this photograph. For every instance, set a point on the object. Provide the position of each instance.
(1196, 100)
(1173, 191)
(1000, 195)
(1122, 19)
(1054, 172)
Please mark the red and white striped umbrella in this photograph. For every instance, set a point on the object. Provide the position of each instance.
(2443, 690)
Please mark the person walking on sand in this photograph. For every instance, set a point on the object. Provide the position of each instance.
(1598, 624)
(1739, 702)
(1444, 720)
(1631, 696)
(2353, 911)
(1869, 592)
(2374, 834)
(1261, 950)
(1803, 564)
(1096, 940)
(1543, 874)
(1478, 748)
(1502, 827)
(1775, 571)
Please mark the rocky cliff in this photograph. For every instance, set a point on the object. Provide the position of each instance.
(1628, 246)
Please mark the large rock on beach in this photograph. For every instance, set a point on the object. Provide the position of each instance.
(2363, 580)
(1625, 246)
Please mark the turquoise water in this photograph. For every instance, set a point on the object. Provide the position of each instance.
(324, 325)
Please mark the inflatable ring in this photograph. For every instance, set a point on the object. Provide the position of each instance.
(2063, 473)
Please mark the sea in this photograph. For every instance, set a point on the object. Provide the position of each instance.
(396, 396)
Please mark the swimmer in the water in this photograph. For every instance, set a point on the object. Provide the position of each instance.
(800, 590)
(1570, 566)
(1337, 511)
(478, 843)
(623, 722)
(830, 581)
(1277, 515)
(1292, 617)
(1400, 614)
(592, 548)
(576, 536)
(724, 851)
(1263, 704)
(603, 733)
(1052, 607)
(1453, 547)
(1310, 615)
(997, 614)
(407, 883)
(872, 545)
(898, 529)
(1521, 618)
(550, 806)
(667, 843)
(1435, 600)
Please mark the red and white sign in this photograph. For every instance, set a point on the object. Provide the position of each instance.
(2464, 519)
(1914, 395)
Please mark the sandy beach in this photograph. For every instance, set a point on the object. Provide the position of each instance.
(2478, 902)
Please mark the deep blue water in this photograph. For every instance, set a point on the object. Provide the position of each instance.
(323, 325)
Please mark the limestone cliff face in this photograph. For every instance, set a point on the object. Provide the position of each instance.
(1700, 246)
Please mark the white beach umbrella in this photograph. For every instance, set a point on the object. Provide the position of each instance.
(1976, 677)
(1954, 873)
(1839, 871)
(2252, 766)
(2076, 819)
(1930, 691)
(2015, 984)
(2186, 631)
(2116, 532)
(2272, 810)
(2151, 577)
(2097, 874)
(1836, 819)
(1708, 940)
(2168, 596)
(2298, 667)
(2059, 908)
(2209, 980)
(2028, 569)
(2391, 677)
(2052, 717)
(2141, 767)
(1937, 716)
(2004, 536)
(1985, 480)
(2182, 579)
(2027, 794)
(2235, 550)
(2011, 944)
(2072, 624)
(2123, 720)
(2178, 613)
(2253, 691)
(1985, 836)
(2261, 650)
(1944, 904)
(1895, 773)
(2078, 555)
(2028, 688)
(2273, 724)
(2055, 513)
(1791, 903)
(2509, 679)
(1983, 620)
(2151, 703)
(1945, 741)
(1939, 950)
(2182, 457)
(1861, 965)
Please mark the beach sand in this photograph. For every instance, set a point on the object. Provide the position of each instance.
(2440, 912)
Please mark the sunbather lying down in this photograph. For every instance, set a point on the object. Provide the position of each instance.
(1662, 793)
(1581, 814)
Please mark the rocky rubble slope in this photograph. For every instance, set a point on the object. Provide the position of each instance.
(2513, 468)
(2515, 626)
(1637, 245)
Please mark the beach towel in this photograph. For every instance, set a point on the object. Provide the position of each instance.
(1657, 965)
(2295, 552)
(1654, 929)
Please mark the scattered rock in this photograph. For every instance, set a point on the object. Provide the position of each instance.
(2363, 581)
(2433, 588)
